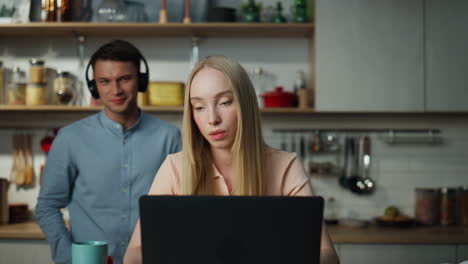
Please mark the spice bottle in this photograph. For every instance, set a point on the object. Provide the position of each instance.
(37, 71)
(427, 206)
(447, 206)
(463, 205)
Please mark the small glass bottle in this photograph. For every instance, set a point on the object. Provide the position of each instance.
(427, 206)
(37, 71)
(50, 11)
(447, 206)
(278, 16)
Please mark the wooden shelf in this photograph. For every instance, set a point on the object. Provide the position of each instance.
(251, 30)
(179, 109)
(151, 109)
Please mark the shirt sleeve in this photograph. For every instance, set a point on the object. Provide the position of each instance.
(56, 186)
(295, 179)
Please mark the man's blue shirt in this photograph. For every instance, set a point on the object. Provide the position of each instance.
(99, 170)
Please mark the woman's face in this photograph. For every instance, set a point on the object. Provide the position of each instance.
(214, 108)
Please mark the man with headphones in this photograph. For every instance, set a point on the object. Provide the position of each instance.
(99, 166)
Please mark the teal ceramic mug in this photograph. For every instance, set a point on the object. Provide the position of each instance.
(89, 252)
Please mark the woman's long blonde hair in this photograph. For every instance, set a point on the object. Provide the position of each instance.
(248, 147)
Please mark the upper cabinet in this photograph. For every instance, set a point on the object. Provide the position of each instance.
(369, 55)
(446, 61)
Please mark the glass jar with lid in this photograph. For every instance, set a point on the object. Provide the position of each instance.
(63, 88)
(37, 71)
(16, 88)
(448, 206)
(463, 205)
(427, 206)
(36, 94)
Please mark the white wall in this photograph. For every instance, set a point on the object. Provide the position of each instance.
(397, 169)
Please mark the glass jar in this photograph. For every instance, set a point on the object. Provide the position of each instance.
(448, 206)
(16, 89)
(63, 88)
(112, 11)
(37, 71)
(427, 206)
(463, 205)
(36, 94)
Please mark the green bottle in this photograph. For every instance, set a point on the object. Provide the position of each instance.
(250, 12)
(278, 17)
(300, 11)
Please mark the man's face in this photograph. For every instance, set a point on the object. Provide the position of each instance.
(117, 84)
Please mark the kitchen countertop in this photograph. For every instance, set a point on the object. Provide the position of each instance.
(339, 234)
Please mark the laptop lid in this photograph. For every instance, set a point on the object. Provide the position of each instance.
(230, 229)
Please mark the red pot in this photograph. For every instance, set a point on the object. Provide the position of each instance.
(278, 98)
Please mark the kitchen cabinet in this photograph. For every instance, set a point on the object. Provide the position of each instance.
(446, 38)
(462, 253)
(394, 253)
(25, 251)
(369, 55)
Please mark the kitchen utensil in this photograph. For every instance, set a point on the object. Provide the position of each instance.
(278, 98)
(28, 169)
(316, 145)
(283, 145)
(366, 181)
(20, 163)
(15, 154)
(187, 18)
(355, 184)
(343, 180)
(302, 148)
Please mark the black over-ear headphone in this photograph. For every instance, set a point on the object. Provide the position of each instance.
(143, 79)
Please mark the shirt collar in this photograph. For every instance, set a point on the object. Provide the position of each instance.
(115, 127)
(216, 173)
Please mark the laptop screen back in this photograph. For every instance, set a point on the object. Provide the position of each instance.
(230, 229)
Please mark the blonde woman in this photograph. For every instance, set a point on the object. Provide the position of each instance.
(223, 152)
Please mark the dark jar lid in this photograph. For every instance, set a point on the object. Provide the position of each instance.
(36, 62)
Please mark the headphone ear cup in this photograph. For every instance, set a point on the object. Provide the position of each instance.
(93, 89)
(143, 82)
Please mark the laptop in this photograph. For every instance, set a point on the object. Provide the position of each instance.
(230, 229)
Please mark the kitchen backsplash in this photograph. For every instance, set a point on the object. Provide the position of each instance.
(396, 168)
